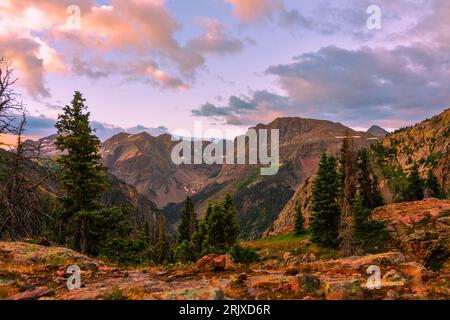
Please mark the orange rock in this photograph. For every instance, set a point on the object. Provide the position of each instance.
(346, 289)
(32, 295)
(214, 262)
(306, 283)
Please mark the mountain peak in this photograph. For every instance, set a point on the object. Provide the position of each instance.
(377, 131)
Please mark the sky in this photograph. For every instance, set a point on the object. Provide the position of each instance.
(169, 65)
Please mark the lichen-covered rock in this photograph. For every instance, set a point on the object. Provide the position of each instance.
(346, 289)
(307, 284)
(209, 293)
(420, 229)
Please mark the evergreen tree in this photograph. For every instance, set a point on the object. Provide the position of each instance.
(377, 198)
(231, 224)
(299, 220)
(368, 185)
(200, 237)
(433, 185)
(83, 177)
(369, 235)
(110, 235)
(162, 245)
(215, 229)
(188, 222)
(325, 207)
(360, 212)
(399, 183)
(414, 189)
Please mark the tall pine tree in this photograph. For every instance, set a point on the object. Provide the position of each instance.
(230, 221)
(433, 185)
(368, 184)
(200, 238)
(215, 229)
(414, 189)
(188, 222)
(162, 245)
(325, 206)
(83, 175)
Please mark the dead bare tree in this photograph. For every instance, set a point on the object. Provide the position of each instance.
(21, 209)
(346, 228)
(21, 213)
(11, 104)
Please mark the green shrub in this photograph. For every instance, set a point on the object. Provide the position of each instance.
(115, 295)
(185, 252)
(126, 252)
(211, 250)
(244, 254)
(373, 236)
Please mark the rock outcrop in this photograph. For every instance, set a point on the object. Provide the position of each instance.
(215, 262)
(420, 229)
(29, 272)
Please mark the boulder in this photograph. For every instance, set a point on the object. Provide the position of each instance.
(90, 266)
(214, 262)
(291, 271)
(348, 289)
(238, 280)
(33, 295)
(392, 295)
(420, 229)
(6, 282)
(306, 284)
(393, 276)
(290, 259)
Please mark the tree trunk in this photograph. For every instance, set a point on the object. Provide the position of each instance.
(346, 224)
(83, 237)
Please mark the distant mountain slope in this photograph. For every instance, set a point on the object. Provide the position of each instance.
(426, 143)
(377, 131)
(259, 199)
(144, 162)
(285, 221)
(143, 211)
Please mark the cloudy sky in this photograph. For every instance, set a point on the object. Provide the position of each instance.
(162, 65)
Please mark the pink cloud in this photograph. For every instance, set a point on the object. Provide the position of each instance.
(23, 53)
(109, 39)
(253, 10)
(214, 39)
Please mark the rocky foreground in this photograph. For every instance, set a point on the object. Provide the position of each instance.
(418, 268)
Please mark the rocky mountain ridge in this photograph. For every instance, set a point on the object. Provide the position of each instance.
(144, 162)
(426, 144)
(377, 131)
